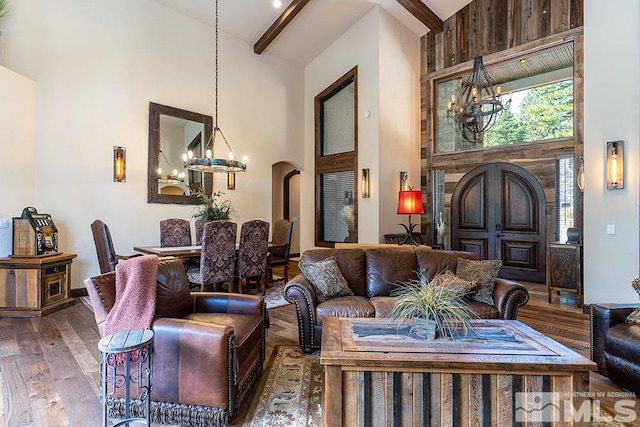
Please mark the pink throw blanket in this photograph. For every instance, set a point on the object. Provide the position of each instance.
(135, 304)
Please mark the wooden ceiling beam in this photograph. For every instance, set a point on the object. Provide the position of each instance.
(279, 25)
(423, 14)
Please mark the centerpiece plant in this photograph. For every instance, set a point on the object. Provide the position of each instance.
(435, 308)
(212, 208)
(4, 8)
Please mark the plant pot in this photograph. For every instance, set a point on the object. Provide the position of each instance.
(425, 328)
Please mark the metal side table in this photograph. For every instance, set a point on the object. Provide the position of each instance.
(126, 367)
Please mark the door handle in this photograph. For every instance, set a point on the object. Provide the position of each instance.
(498, 235)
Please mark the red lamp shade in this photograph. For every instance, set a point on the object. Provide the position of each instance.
(410, 202)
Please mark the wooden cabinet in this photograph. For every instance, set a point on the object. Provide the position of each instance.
(35, 286)
(564, 269)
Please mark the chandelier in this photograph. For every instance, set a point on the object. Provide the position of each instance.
(478, 105)
(209, 163)
(174, 177)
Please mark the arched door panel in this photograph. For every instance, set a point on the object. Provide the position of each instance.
(498, 213)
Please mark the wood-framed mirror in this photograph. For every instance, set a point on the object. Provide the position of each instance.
(172, 132)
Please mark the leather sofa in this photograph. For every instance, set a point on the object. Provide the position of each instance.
(371, 273)
(208, 348)
(615, 344)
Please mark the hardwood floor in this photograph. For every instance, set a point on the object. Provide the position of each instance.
(49, 366)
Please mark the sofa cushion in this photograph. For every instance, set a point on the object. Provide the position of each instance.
(456, 283)
(326, 278)
(173, 298)
(383, 305)
(623, 341)
(483, 273)
(388, 266)
(353, 306)
(482, 310)
(435, 261)
(351, 263)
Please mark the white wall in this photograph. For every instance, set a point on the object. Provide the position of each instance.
(96, 69)
(388, 57)
(611, 112)
(17, 135)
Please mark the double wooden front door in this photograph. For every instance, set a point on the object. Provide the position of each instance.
(498, 212)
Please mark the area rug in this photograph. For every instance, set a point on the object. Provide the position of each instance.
(274, 296)
(291, 396)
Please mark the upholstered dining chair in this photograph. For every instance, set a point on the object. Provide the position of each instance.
(217, 256)
(280, 247)
(175, 232)
(107, 256)
(252, 254)
(199, 225)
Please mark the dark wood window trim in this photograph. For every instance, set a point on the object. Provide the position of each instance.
(340, 162)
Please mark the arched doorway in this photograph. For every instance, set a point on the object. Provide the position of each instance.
(285, 199)
(498, 212)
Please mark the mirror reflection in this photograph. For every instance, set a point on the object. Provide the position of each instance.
(173, 131)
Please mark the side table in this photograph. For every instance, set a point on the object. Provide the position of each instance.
(126, 363)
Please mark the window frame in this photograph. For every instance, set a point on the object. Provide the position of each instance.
(340, 162)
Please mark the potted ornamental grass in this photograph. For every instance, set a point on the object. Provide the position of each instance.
(436, 307)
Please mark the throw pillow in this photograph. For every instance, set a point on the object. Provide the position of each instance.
(634, 317)
(483, 274)
(449, 280)
(326, 278)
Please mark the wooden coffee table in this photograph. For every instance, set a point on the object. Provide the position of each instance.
(376, 374)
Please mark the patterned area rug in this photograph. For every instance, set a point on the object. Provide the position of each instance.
(273, 296)
(292, 393)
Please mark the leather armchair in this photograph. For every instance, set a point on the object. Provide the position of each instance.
(107, 256)
(615, 344)
(208, 348)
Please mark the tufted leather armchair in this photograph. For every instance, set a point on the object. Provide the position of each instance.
(208, 348)
(371, 274)
(615, 344)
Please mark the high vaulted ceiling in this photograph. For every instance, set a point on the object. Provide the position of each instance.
(318, 24)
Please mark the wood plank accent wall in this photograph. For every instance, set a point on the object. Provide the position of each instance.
(498, 29)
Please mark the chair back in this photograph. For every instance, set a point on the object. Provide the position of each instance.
(281, 239)
(253, 250)
(198, 226)
(175, 232)
(107, 258)
(218, 255)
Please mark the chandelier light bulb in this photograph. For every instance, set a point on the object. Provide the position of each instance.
(190, 154)
(245, 159)
(231, 155)
(159, 171)
(277, 4)
(175, 171)
(209, 153)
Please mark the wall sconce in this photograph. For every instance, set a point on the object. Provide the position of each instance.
(119, 164)
(404, 181)
(580, 177)
(365, 182)
(615, 165)
(231, 181)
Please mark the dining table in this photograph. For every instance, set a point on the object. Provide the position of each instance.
(176, 251)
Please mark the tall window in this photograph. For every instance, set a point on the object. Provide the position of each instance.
(565, 196)
(336, 161)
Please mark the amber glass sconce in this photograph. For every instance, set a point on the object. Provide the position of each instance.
(119, 164)
(615, 165)
(365, 182)
(231, 181)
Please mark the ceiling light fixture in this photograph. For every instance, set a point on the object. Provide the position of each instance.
(478, 105)
(208, 163)
(277, 4)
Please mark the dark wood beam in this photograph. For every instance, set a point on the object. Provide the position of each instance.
(279, 25)
(423, 14)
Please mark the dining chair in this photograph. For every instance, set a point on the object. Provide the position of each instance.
(175, 232)
(217, 256)
(252, 254)
(198, 227)
(280, 247)
(107, 256)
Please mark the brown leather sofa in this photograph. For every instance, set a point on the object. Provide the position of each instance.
(208, 348)
(615, 344)
(371, 274)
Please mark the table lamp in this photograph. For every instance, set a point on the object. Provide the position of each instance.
(410, 203)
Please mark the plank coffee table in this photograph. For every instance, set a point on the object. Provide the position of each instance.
(379, 374)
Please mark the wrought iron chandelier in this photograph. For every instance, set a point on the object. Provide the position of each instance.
(209, 163)
(478, 105)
